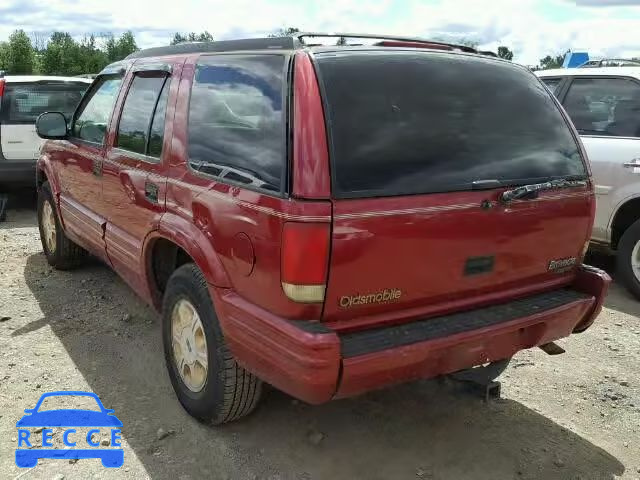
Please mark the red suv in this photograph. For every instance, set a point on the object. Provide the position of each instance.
(329, 220)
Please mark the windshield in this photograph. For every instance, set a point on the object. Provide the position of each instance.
(407, 122)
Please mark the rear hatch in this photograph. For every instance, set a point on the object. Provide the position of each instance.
(422, 146)
(22, 103)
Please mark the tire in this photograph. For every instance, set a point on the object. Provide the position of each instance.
(221, 392)
(61, 253)
(629, 253)
(483, 374)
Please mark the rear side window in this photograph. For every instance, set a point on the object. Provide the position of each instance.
(414, 122)
(142, 115)
(605, 106)
(23, 103)
(236, 119)
(93, 114)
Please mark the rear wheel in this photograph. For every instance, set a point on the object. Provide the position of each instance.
(61, 252)
(628, 259)
(209, 383)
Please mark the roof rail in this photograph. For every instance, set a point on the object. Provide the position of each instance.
(615, 62)
(292, 42)
(464, 48)
(271, 43)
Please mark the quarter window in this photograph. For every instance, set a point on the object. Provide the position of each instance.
(236, 121)
(93, 115)
(552, 84)
(141, 126)
(605, 106)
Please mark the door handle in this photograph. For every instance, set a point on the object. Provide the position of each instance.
(635, 163)
(96, 167)
(151, 192)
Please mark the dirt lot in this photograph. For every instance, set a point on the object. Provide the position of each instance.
(575, 416)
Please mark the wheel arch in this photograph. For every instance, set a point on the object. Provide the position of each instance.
(627, 213)
(176, 242)
(45, 173)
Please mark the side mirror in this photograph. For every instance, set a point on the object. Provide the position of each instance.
(51, 125)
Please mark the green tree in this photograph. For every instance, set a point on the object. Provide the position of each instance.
(505, 52)
(120, 48)
(549, 62)
(191, 37)
(285, 32)
(62, 56)
(4, 55)
(93, 59)
(19, 54)
(178, 38)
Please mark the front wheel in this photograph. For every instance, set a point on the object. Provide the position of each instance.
(209, 383)
(628, 259)
(61, 252)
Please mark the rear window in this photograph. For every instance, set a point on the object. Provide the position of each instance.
(405, 123)
(23, 103)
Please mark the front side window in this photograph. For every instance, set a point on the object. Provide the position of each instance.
(604, 106)
(143, 111)
(93, 115)
(404, 122)
(236, 119)
(23, 103)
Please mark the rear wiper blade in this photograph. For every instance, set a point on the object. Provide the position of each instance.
(532, 189)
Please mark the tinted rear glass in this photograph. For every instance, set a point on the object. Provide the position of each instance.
(236, 119)
(415, 122)
(23, 103)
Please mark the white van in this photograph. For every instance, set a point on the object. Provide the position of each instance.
(22, 100)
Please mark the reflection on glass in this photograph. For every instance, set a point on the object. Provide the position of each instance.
(236, 119)
(406, 123)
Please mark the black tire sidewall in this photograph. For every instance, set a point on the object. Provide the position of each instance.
(623, 258)
(186, 283)
(45, 195)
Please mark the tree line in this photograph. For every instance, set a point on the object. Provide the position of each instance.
(61, 54)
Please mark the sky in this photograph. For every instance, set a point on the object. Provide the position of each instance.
(531, 28)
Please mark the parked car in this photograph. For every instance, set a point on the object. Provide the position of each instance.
(604, 104)
(22, 99)
(403, 210)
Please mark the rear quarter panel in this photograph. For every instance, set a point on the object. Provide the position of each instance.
(238, 230)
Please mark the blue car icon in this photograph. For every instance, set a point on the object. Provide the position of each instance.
(69, 418)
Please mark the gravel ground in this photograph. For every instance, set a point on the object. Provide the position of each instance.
(574, 416)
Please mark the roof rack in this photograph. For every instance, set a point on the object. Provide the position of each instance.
(400, 39)
(292, 42)
(271, 43)
(610, 62)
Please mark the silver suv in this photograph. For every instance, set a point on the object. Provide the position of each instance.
(604, 104)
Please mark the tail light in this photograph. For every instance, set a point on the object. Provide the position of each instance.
(2, 82)
(305, 260)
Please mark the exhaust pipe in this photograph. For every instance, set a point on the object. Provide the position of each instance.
(552, 348)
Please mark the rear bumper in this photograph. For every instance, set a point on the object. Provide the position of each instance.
(315, 364)
(17, 173)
